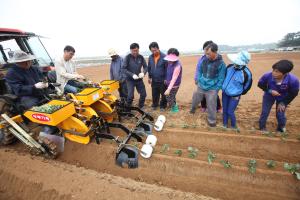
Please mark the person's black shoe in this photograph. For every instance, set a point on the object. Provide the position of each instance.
(212, 125)
(154, 108)
(281, 130)
(192, 111)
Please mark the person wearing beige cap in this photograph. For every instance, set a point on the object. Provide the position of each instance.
(66, 73)
(24, 80)
(117, 72)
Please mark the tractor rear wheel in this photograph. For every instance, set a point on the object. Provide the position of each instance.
(6, 137)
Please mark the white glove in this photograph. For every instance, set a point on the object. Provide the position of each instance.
(41, 85)
(141, 75)
(135, 77)
(79, 76)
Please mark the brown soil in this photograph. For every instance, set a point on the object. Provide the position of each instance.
(89, 171)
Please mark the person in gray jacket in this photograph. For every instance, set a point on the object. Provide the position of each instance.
(117, 72)
(133, 64)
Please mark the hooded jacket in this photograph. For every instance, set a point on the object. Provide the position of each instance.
(236, 80)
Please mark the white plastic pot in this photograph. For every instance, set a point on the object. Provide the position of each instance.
(151, 140)
(159, 124)
(161, 118)
(146, 151)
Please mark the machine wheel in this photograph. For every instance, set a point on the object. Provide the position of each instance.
(6, 137)
(49, 146)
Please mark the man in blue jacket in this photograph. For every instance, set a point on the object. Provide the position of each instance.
(210, 79)
(279, 86)
(135, 68)
(25, 81)
(117, 72)
(157, 67)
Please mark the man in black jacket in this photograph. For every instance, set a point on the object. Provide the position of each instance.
(157, 68)
(133, 69)
(25, 81)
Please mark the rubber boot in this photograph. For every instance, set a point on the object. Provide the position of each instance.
(175, 109)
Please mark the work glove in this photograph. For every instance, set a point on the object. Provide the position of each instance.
(41, 85)
(78, 76)
(135, 77)
(141, 75)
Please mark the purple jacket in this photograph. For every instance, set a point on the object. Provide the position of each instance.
(288, 89)
(196, 77)
(169, 75)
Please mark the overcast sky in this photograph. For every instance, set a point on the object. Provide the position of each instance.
(94, 26)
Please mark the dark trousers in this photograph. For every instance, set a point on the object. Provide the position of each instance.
(140, 87)
(158, 90)
(203, 103)
(171, 98)
(29, 101)
(267, 104)
(123, 90)
(229, 106)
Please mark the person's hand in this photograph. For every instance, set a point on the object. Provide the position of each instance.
(275, 93)
(280, 107)
(149, 80)
(141, 75)
(196, 82)
(167, 92)
(80, 76)
(135, 77)
(41, 85)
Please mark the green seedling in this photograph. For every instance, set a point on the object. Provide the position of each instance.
(271, 164)
(226, 164)
(252, 166)
(193, 152)
(284, 135)
(194, 125)
(136, 144)
(184, 126)
(178, 152)
(293, 169)
(211, 157)
(165, 148)
(268, 133)
(172, 125)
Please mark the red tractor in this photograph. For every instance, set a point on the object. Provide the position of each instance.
(14, 39)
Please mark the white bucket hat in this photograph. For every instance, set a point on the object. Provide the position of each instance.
(20, 56)
(112, 52)
(241, 58)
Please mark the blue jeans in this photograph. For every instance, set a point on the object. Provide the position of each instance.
(140, 87)
(229, 106)
(72, 86)
(268, 101)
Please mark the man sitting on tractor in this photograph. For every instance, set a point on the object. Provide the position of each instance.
(25, 81)
(66, 72)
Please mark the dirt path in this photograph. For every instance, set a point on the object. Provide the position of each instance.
(24, 177)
